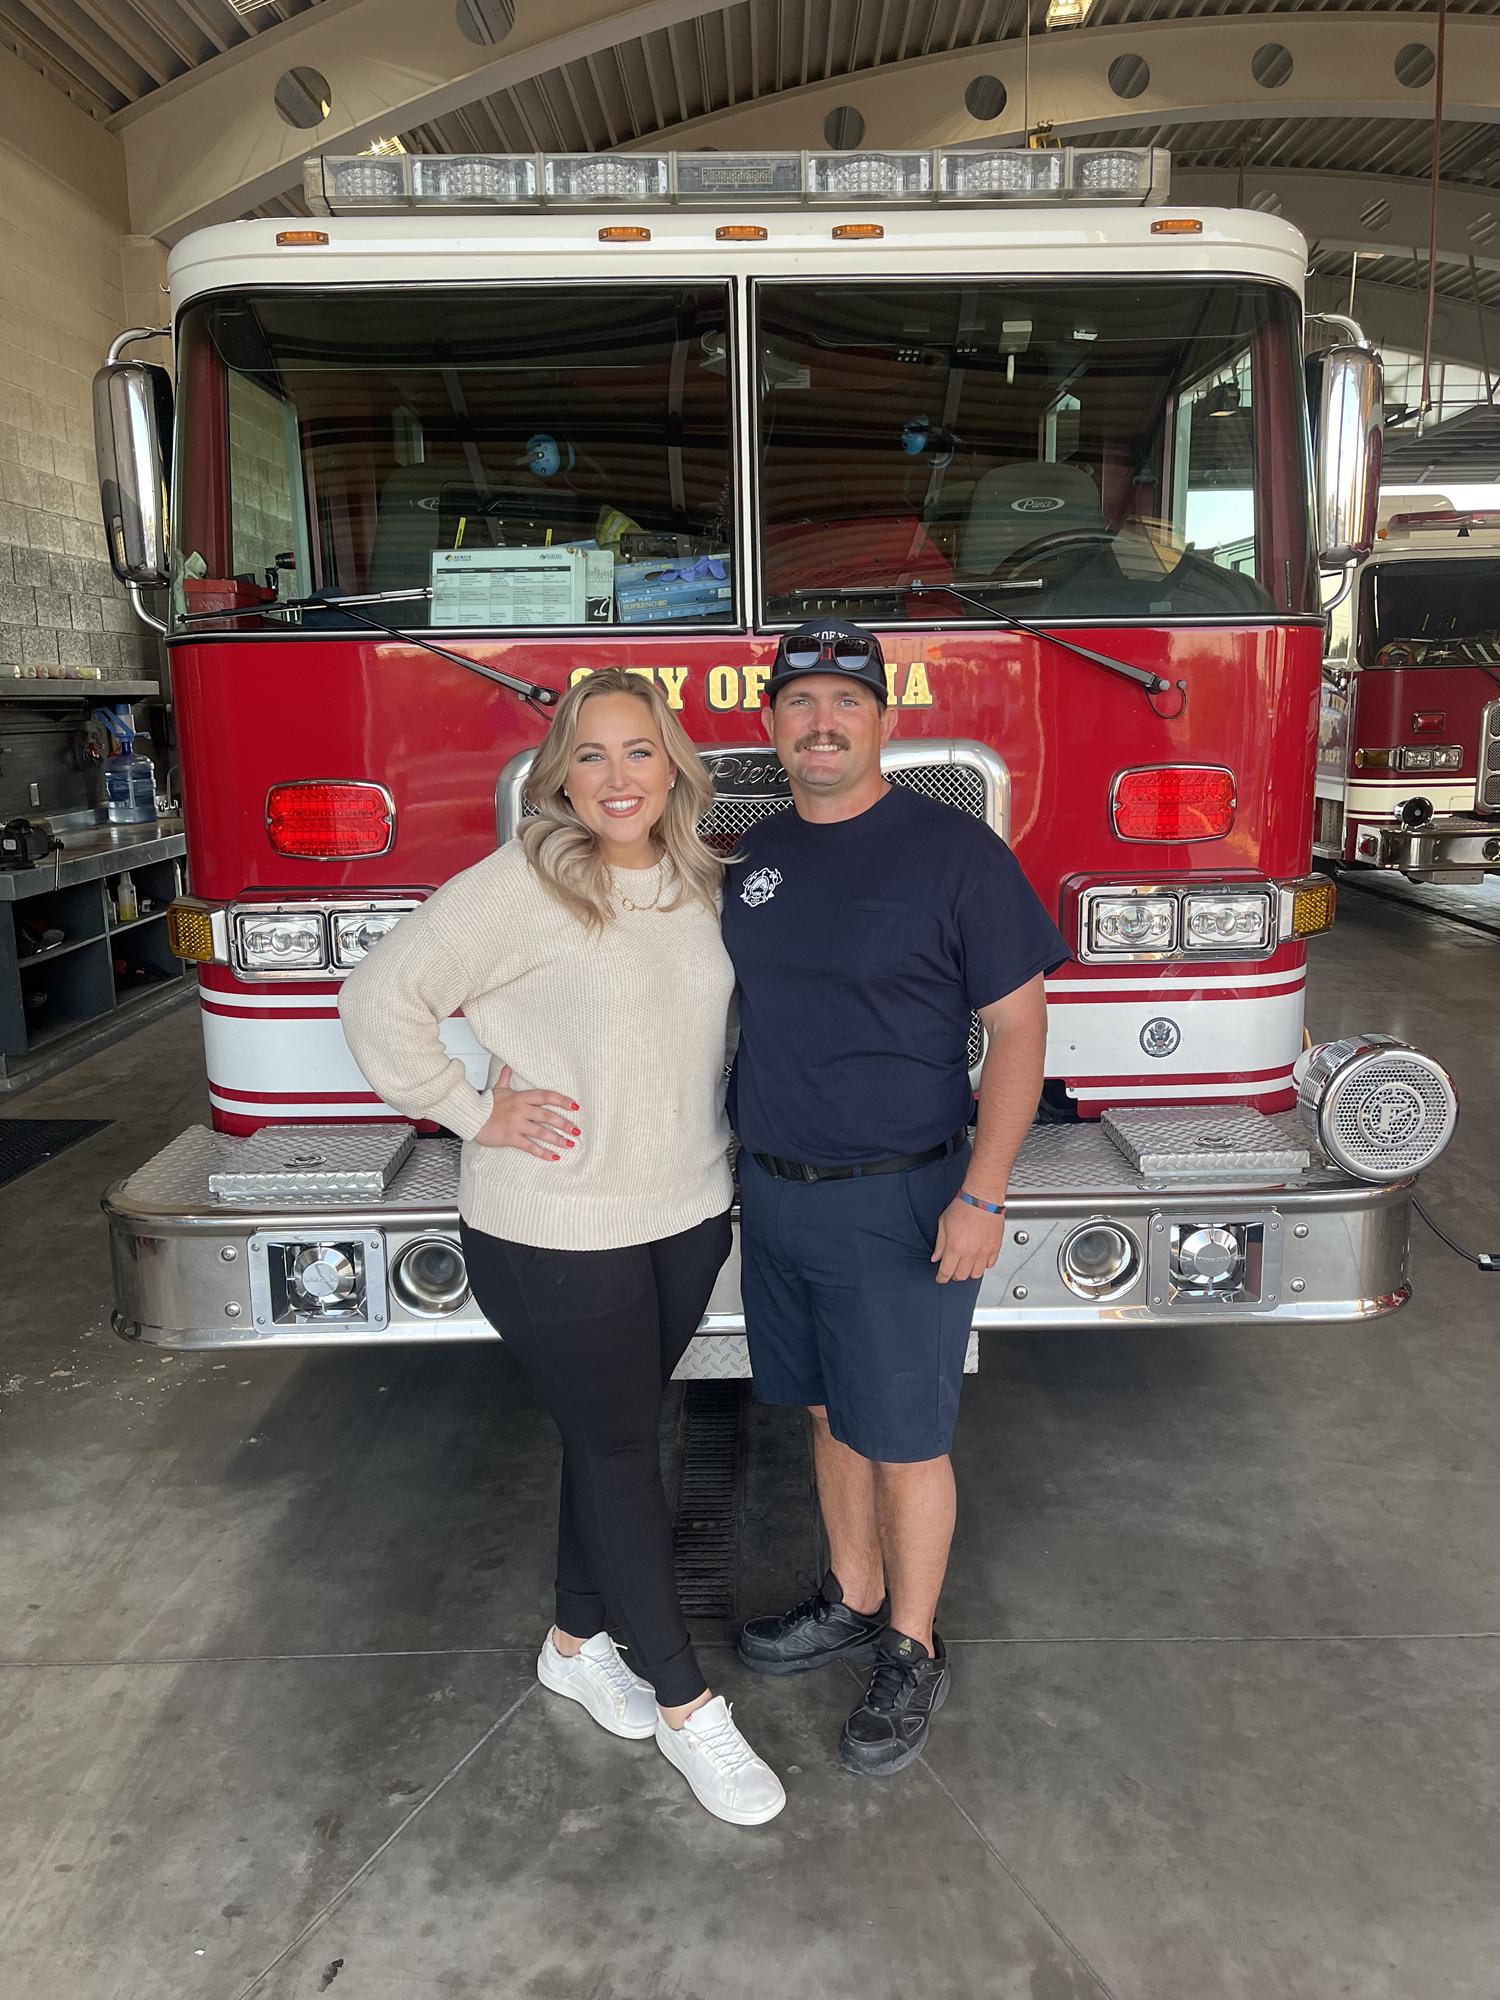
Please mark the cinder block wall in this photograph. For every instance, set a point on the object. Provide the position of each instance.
(65, 262)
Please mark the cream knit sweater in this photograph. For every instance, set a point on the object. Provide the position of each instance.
(630, 1024)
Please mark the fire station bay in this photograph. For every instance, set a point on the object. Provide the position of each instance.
(749, 999)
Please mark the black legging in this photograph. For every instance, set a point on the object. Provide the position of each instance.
(599, 1333)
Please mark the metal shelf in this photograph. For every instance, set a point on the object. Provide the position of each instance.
(114, 930)
(31, 959)
(60, 690)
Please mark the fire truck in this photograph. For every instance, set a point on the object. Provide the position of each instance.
(1409, 741)
(481, 424)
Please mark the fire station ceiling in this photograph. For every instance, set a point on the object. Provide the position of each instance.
(1319, 109)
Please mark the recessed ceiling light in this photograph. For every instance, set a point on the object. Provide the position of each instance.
(1068, 13)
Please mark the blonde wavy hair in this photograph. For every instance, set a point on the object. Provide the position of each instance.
(567, 856)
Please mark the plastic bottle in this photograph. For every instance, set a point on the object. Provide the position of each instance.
(129, 776)
(127, 904)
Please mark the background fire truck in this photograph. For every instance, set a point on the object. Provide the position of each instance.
(487, 423)
(1409, 742)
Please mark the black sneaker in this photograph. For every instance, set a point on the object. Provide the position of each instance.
(815, 1633)
(889, 1728)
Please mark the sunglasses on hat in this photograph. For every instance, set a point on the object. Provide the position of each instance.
(848, 653)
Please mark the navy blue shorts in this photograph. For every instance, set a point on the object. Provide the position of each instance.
(843, 1307)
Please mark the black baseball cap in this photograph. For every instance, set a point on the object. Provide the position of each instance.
(829, 646)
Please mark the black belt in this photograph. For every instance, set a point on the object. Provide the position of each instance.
(799, 1170)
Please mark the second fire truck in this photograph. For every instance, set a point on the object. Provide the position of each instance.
(1409, 745)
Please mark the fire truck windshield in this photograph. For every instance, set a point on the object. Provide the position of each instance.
(554, 456)
(532, 455)
(1110, 450)
(1443, 612)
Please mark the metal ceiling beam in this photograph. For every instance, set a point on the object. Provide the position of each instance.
(1361, 211)
(1392, 315)
(206, 147)
(1343, 66)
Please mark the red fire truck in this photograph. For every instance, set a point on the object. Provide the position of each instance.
(482, 424)
(1409, 743)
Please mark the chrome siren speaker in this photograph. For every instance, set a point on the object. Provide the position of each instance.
(1377, 1108)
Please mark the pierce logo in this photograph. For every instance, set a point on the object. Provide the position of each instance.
(1161, 1036)
(760, 887)
(1037, 503)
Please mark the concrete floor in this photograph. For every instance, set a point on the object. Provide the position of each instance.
(1225, 1611)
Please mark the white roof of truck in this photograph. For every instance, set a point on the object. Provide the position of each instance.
(1066, 241)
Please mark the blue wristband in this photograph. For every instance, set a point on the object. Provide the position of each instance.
(989, 1207)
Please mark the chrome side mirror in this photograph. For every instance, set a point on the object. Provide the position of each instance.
(1344, 385)
(133, 445)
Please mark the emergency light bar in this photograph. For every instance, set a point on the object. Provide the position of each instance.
(364, 183)
(1457, 521)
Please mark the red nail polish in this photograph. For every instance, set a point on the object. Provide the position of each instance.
(567, 1142)
(554, 1156)
(574, 1130)
(572, 1106)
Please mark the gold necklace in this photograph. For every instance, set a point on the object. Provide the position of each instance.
(627, 904)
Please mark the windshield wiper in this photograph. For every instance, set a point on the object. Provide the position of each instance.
(1144, 678)
(530, 692)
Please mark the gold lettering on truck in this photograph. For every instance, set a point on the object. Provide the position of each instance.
(726, 688)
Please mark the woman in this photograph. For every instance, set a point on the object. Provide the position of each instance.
(594, 1188)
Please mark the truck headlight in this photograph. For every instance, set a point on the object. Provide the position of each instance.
(1132, 923)
(1430, 757)
(1226, 921)
(282, 941)
(354, 931)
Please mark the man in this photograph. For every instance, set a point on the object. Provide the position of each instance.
(865, 925)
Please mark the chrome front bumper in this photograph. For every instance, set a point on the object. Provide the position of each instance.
(191, 1271)
(1457, 847)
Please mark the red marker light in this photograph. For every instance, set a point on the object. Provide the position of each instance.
(331, 820)
(1429, 721)
(1174, 802)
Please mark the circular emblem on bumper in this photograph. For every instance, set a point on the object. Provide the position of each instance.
(1160, 1036)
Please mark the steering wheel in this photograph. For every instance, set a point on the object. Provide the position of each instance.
(1056, 543)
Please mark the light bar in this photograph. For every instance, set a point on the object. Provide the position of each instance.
(587, 178)
(362, 183)
(1452, 519)
(488, 180)
(869, 176)
(725, 177)
(1001, 176)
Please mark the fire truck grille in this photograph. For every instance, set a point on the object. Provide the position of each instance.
(959, 785)
(736, 807)
(1489, 756)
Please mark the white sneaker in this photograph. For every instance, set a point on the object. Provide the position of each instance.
(726, 1776)
(599, 1680)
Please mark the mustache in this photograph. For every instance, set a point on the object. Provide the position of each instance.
(822, 739)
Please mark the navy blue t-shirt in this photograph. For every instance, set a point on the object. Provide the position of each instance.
(861, 949)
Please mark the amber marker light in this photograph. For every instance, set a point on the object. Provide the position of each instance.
(1177, 225)
(1312, 909)
(624, 232)
(741, 232)
(857, 232)
(288, 239)
(190, 933)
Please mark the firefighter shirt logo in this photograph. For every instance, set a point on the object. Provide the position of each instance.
(760, 887)
(1160, 1036)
